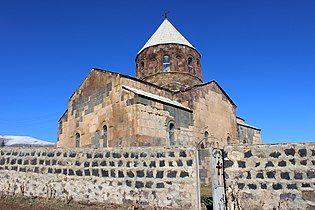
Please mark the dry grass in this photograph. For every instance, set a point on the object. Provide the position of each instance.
(205, 191)
(19, 203)
(22, 203)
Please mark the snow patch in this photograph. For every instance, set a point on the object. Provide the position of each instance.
(23, 140)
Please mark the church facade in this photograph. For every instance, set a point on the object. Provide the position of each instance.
(166, 104)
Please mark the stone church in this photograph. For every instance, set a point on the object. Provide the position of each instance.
(167, 103)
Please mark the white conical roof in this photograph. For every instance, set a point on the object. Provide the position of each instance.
(166, 34)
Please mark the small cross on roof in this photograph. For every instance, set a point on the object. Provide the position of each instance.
(165, 14)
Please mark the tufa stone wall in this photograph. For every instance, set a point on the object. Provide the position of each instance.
(147, 177)
(214, 113)
(279, 176)
(204, 166)
(247, 134)
(130, 119)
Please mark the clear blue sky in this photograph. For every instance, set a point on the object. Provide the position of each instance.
(261, 52)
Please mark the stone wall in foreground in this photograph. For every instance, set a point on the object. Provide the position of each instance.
(160, 177)
(278, 176)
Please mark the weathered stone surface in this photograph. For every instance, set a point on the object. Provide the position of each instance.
(284, 180)
(248, 154)
(260, 175)
(86, 177)
(292, 161)
(298, 175)
(277, 186)
(252, 186)
(152, 59)
(302, 152)
(106, 111)
(285, 175)
(269, 164)
(290, 151)
(275, 154)
(308, 195)
(310, 174)
(287, 196)
(241, 164)
(291, 186)
(228, 163)
(282, 163)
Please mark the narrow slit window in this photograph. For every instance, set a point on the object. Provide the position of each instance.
(166, 63)
(142, 69)
(190, 65)
(207, 138)
(105, 136)
(77, 140)
(228, 140)
(171, 133)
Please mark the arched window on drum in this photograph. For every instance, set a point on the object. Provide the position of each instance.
(142, 69)
(166, 63)
(190, 65)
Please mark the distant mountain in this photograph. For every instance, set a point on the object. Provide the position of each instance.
(23, 141)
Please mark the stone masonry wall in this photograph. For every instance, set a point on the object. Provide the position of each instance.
(152, 59)
(213, 113)
(149, 177)
(278, 176)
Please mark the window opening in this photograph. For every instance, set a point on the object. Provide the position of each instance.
(105, 136)
(228, 140)
(166, 63)
(77, 140)
(171, 133)
(96, 140)
(142, 69)
(206, 136)
(190, 65)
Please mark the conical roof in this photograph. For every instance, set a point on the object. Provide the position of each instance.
(166, 34)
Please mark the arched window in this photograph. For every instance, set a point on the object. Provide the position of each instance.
(142, 69)
(206, 136)
(171, 128)
(96, 140)
(190, 65)
(244, 141)
(166, 63)
(228, 140)
(77, 140)
(105, 136)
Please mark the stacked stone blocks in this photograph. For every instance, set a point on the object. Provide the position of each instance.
(270, 176)
(160, 177)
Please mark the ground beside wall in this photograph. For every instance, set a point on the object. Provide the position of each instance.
(149, 177)
(278, 176)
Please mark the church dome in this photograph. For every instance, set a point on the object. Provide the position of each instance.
(166, 34)
(168, 60)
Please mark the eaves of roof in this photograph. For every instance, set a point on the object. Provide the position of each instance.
(155, 97)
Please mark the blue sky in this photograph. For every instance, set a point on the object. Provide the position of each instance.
(261, 52)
